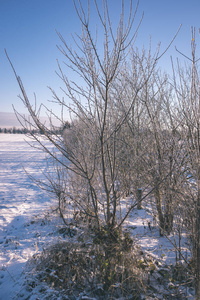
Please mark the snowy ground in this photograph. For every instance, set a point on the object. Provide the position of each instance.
(22, 208)
(27, 225)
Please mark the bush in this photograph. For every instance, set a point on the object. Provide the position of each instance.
(105, 267)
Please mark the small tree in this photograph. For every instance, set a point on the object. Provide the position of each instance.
(151, 131)
(91, 144)
(188, 96)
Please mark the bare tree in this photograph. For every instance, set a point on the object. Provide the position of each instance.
(91, 145)
(188, 96)
(152, 136)
(109, 101)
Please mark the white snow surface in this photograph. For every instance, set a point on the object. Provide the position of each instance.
(27, 225)
(23, 211)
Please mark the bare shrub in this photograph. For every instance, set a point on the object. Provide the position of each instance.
(77, 267)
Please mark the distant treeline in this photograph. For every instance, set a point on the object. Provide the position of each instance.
(15, 130)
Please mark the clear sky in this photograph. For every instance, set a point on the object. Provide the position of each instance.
(27, 31)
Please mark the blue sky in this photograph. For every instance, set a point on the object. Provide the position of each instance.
(27, 31)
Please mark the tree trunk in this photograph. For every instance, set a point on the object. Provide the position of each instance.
(139, 197)
(169, 217)
(158, 199)
(197, 287)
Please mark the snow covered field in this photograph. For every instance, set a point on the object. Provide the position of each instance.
(22, 208)
(27, 224)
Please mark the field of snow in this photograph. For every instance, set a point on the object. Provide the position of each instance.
(27, 224)
(23, 209)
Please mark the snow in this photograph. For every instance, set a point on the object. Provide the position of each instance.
(27, 223)
(23, 207)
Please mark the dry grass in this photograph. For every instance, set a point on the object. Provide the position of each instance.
(101, 269)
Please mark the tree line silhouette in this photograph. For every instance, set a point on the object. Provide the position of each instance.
(15, 130)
